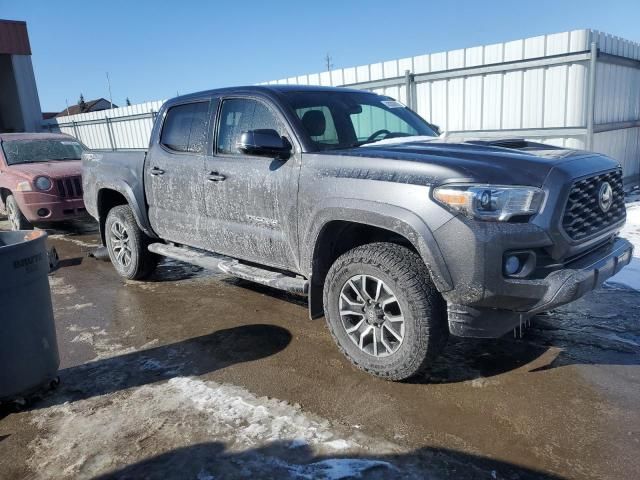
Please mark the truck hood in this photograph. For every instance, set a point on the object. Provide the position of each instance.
(510, 161)
(53, 169)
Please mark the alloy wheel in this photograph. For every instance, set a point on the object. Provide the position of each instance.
(14, 216)
(121, 243)
(371, 315)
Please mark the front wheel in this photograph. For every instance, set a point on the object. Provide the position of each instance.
(384, 312)
(127, 245)
(16, 218)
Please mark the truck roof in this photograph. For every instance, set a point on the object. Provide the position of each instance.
(35, 136)
(266, 89)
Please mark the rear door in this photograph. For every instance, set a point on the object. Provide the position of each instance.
(173, 173)
(251, 202)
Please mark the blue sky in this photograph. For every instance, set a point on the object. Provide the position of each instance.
(154, 49)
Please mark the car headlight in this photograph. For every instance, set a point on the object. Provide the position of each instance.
(23, 187)
(42, 183)
(490, 202)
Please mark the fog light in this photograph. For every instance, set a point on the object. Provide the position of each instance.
(511, 265)
(43, 212)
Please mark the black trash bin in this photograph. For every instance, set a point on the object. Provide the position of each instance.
(28, 348)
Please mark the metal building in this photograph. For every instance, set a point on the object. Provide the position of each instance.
(579, 89)
(19, 102)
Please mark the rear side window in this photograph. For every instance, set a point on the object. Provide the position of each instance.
(185, 128)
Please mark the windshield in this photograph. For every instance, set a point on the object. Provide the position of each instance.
(31, 151)
(335, 120)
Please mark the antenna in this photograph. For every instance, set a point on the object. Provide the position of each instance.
(328, 63)
(109, 85)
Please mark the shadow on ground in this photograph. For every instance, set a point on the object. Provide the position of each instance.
(598, 329)
(192, 357)
(278, 460)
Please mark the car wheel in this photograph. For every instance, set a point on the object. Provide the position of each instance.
(384, 311)
(16, 218)
(127, 245)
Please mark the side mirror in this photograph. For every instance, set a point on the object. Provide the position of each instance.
(264, 142)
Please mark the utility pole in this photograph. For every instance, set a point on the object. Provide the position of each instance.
(110, 96)
(327, 60)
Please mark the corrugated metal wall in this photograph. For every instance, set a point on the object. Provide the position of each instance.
(537, 88)
(537, 97)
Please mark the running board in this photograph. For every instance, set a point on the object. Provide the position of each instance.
(233, 267)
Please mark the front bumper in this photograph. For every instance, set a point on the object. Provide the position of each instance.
(58, 209)
(559, 287)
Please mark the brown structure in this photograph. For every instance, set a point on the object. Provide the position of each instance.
(19, 102)
(14, 39)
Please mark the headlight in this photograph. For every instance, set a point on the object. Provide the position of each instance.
(490, 202)
(42, 183)
(23, 187)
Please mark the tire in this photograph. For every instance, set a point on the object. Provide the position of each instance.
(405, 277)
(127, 245)
(16, 218)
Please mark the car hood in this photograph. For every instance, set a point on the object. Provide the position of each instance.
(510, 161)
(53, 169)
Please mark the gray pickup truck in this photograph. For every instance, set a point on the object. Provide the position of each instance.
(396, 235)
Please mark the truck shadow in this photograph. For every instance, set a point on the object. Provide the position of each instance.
(277, 460)
(191, 357)
(596, 330)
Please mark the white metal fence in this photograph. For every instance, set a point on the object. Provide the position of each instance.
(125, 128)
(579, 89)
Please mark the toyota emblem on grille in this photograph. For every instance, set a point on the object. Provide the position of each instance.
(605, 197)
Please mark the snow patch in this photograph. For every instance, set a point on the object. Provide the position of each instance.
(80, 243)
(337, 468)
(79, 306)
(629, 276)
(60, 287)
(89, 437)
(258, 419)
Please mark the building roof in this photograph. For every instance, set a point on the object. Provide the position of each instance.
(89, 107)
(14, 39)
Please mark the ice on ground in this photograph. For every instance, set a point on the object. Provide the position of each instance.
(81, 243)
(106, 433)
(629, 276)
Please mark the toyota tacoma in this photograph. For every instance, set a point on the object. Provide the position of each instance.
(398, 236)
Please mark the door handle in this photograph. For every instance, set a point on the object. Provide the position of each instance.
(216, 177)
(155, 171)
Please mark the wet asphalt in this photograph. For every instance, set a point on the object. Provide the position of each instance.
(561, 402)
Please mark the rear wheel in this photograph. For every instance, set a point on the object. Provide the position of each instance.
(127, 245)
(384, 312)
(16, 218)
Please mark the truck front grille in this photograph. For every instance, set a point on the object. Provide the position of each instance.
(70, 187)
(583, 215)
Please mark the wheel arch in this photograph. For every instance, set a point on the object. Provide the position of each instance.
(337, 230)
(111, 196)
(4, 193)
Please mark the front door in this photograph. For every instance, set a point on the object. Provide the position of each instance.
(251, 202)
(173, 174)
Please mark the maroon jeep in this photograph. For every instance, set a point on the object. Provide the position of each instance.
(40, 178)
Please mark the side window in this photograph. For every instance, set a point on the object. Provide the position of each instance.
(239, 115)
(185, 128)
(318, 121)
